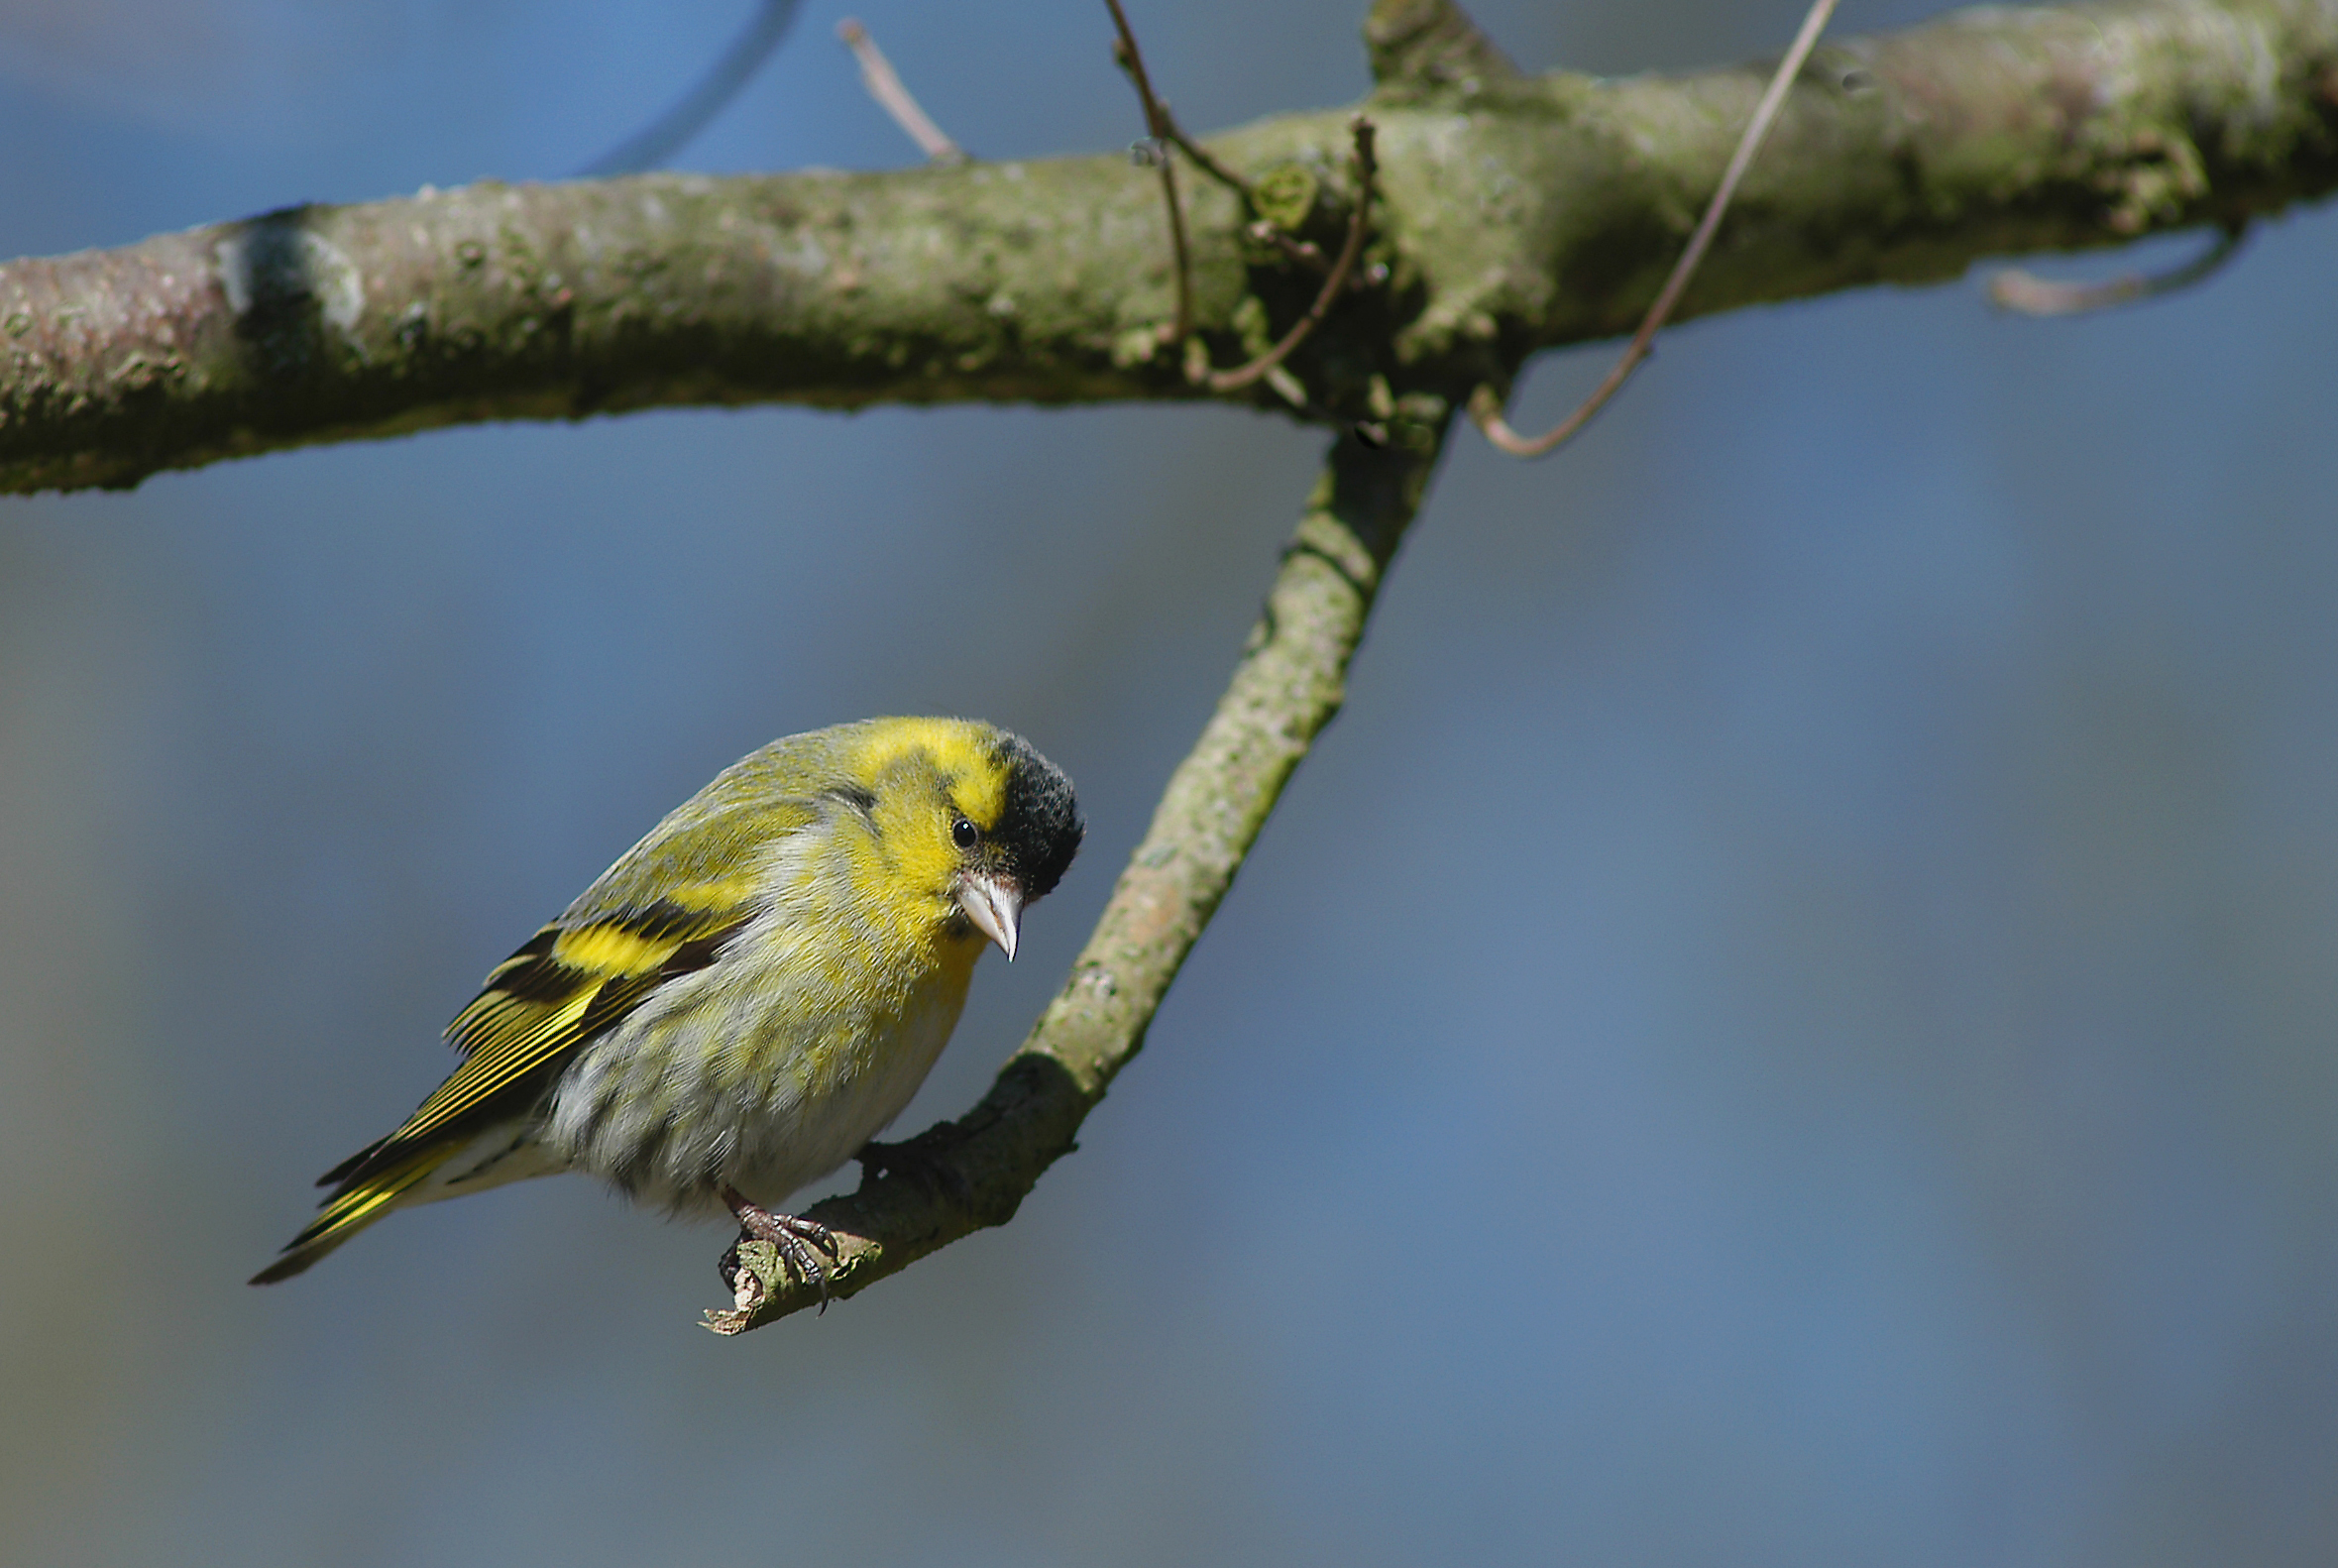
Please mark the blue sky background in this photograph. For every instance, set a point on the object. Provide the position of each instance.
(1791, 1022)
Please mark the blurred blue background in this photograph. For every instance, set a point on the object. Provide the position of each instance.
(1791, 1022)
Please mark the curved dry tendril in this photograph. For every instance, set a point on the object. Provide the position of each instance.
(1486, 402)
(2027, 294)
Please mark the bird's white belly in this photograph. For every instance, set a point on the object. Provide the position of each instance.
(804, 1141)
(717, 1082)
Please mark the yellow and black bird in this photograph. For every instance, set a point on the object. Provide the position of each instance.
(751, 993)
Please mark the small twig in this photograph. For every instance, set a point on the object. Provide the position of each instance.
(1305, 251)
(1358, 221)
(884, 85)
(1201, 159)
(1158, 125)
(670, 131)
(2031, 295)
(1486, 403)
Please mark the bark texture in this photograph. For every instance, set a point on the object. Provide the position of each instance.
(1516, 213)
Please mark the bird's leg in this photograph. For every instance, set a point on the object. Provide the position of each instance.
(791, 1235)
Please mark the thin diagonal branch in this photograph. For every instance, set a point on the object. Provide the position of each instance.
(1358, 222)
(1486, 405)
(2025, 293)
(885, 86)
(672, 131)
(1287, 685)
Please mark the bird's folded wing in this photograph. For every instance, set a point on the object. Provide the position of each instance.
(663, 911)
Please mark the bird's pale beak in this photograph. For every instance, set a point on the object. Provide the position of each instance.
(995, 905)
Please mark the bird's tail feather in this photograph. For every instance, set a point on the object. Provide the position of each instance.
(353, 1208)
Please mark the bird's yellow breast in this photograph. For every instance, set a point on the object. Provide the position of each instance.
(776, 1063)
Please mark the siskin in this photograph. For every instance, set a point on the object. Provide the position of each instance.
(751, 993)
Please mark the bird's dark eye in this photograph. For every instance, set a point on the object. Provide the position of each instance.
(962, 834)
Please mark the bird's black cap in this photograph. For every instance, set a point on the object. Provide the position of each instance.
(1040, 829)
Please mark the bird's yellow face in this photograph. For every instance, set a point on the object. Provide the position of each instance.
(971, 817)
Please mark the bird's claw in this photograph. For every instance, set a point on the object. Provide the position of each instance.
(792, 1236)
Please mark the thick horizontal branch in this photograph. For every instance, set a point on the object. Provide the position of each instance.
(1287, 686)
(1515, 214)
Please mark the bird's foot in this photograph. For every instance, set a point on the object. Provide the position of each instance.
(921, 1162)
(792, 1236)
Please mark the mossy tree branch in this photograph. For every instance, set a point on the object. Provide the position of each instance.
(1517, 214)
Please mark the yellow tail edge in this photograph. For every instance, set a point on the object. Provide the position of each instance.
(350, 1210)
